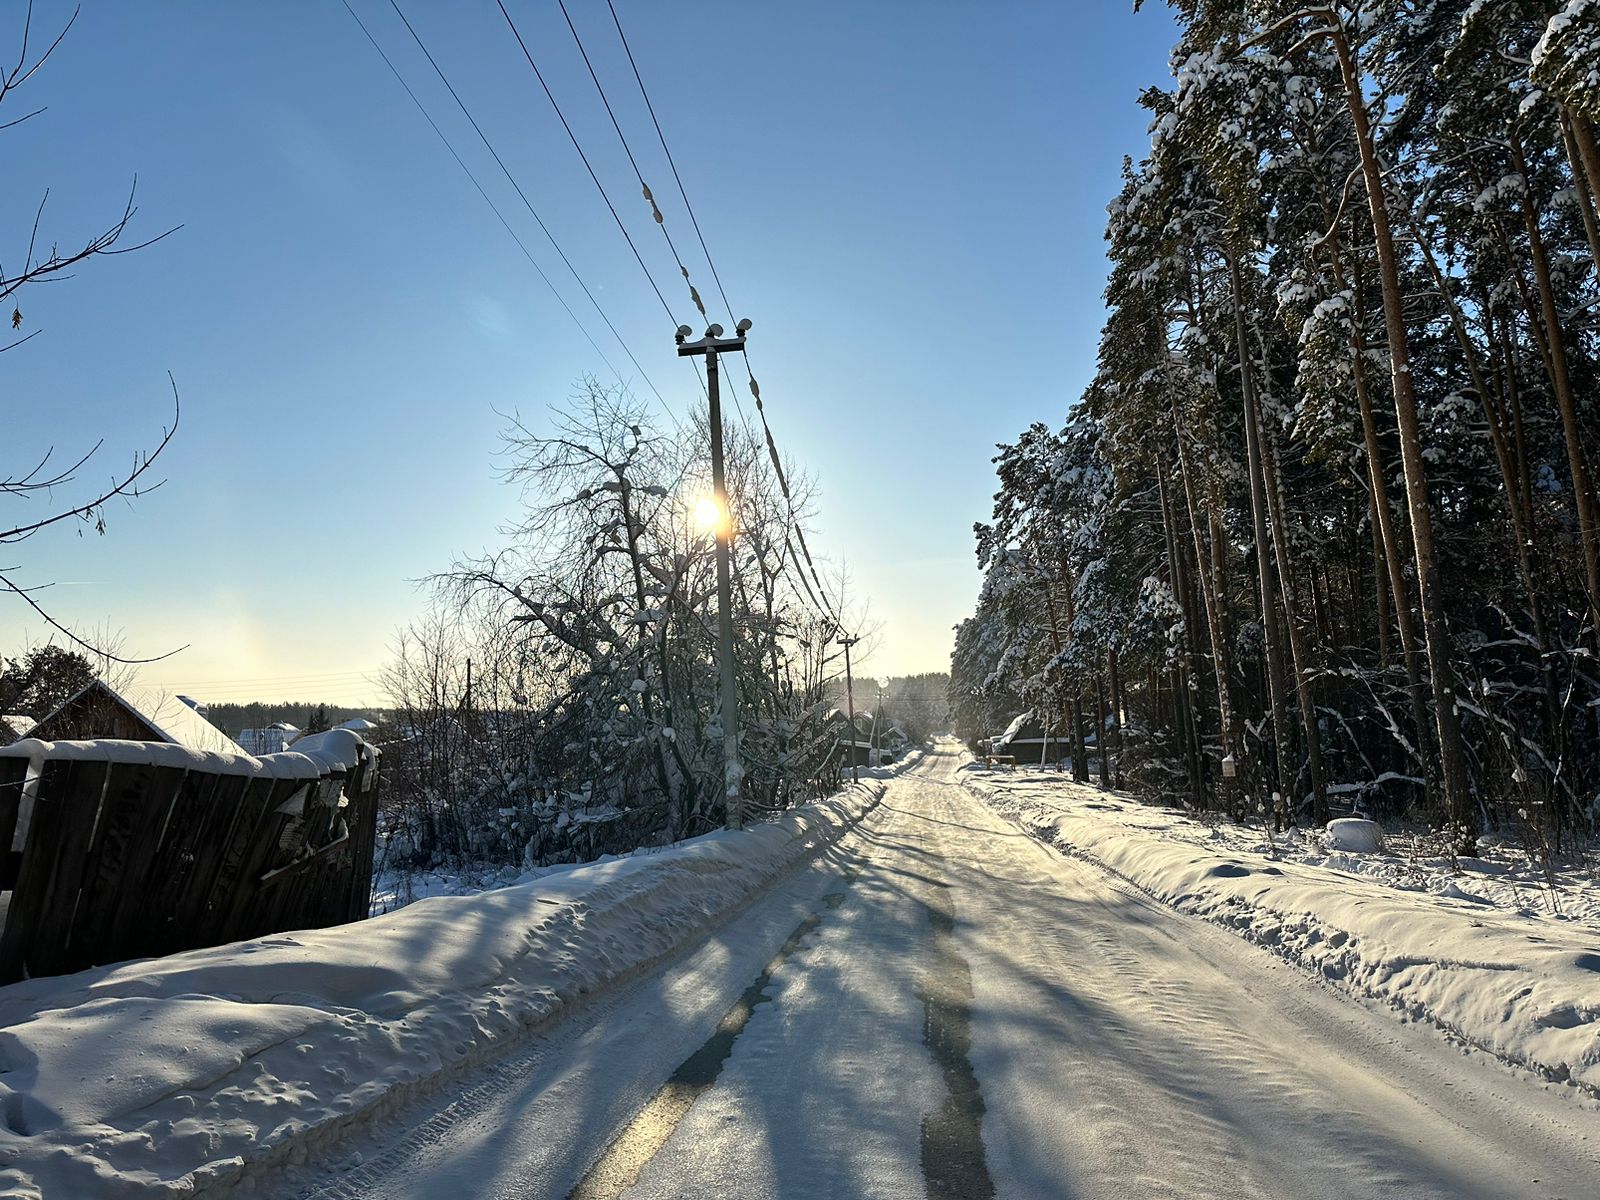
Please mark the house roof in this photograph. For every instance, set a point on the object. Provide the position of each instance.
(177, 720)
(1023, 729)
(169, 716)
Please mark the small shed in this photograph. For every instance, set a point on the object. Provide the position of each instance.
(891, 736)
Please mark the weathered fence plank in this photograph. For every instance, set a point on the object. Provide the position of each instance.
(127, 852)
(254, 807)
(13, 774)
(67, 828)
(46, 834)
(129, 904)
(190, 909)
(123, 831)
(364, 841)
(194, 817)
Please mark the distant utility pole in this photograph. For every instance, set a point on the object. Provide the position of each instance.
(850, 703)
(710, 346)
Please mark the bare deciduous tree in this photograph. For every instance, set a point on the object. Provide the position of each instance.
(43, 479)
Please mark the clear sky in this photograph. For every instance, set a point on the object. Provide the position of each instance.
(907, 198)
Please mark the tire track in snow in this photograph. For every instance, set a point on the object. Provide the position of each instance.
(620, 1164)
(953, 1163)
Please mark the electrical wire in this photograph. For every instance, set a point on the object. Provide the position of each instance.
(671, 162)
(253, 680)
(487, 199)
(528, 204)
(825, 608)
(655, 209)
(578, 146)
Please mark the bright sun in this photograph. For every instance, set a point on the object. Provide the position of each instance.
(707, 513)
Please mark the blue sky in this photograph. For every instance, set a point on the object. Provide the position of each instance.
(907, 199)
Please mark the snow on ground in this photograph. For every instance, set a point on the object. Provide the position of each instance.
(1488, 952)
(941, 1006)
(157, 1076)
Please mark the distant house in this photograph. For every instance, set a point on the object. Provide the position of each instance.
(891, 735)
(133, 714)
(1028, 741)
(853, 744)
(270, 740)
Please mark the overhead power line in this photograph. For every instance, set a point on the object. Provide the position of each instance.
(671, 162)
(578, 146)
(234, 686)
(655, 209)
(825, 607)
(253, 679)
(487, 199)
(528, 204)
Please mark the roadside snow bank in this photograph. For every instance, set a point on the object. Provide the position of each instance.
(160, 1076)
(1509, 980)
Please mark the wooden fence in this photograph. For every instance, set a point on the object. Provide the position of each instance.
(123, 850)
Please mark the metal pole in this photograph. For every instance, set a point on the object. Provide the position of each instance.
(733, 768)
(850, 704)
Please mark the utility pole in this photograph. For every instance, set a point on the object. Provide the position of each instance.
(850, 703)
(710, 346)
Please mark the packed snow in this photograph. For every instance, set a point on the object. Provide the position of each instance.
(1493, 950)
(942, 1006)
(159, 1076)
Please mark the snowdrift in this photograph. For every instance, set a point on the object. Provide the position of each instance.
(159, 1077)
(1523, 986)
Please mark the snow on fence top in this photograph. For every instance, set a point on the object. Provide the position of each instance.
(124, 849)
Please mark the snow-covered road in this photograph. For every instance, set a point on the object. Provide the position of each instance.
(940, 1006)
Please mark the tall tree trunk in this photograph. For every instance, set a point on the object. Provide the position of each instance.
(1118, 711)
(1080, 753)
(1080, 758)
(1380, 584)
(1582, 486)
(1188, 724)
(1452, 757)
(669, 794)
(1291, 621)
(1270, 631)
(1213, 596)
(1518, 500)
(1100, 728)
(1056, 642)
(1584, 159)
(1389, 540)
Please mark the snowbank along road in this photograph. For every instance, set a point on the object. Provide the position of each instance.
(940, 1006)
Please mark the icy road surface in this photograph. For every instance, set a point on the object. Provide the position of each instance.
(939, 1006)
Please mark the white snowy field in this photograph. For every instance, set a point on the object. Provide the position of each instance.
(1489, 949)
(161, 1076)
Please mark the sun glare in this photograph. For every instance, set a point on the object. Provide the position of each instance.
(707, 513)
